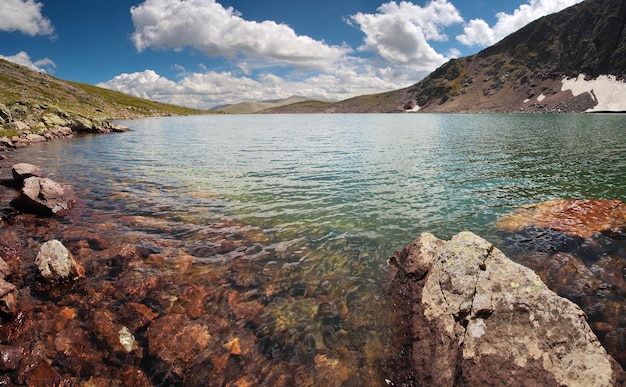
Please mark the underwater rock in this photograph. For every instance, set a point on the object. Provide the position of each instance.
(8, 304)
(470, 316)
(116, 336)
(581, 218)
(43, 196)
(55, 262)
(5, 270)
(179, 342)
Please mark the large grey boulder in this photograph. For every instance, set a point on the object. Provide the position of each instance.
(470, 316)
(43, 196)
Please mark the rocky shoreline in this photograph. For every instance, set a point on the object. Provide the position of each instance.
(25, 136)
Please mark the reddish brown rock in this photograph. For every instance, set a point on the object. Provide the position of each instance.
(179, 342)
(43, 196)
(136, 316)
(11, 358)
(116, 336)
(582, 218)
(135, 377)
(5, 270)
(193, 299)
(8, 303)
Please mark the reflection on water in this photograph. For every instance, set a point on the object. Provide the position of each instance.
(273, 231)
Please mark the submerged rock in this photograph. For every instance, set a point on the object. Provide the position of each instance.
(43, 196)
(8, 303)
(471, 316)
(581, 218)
(55, 262)
(178, 342)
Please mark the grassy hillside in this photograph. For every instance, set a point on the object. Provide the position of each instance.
(33, 100)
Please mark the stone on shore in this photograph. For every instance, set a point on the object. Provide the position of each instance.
(471, 316)
(23, 171)
(56, 263)
(43, 196)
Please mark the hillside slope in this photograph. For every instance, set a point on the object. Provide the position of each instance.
(525, 72)
(37, 100)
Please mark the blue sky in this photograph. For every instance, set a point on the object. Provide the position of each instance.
(202, 53)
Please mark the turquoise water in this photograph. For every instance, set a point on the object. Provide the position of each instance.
(384, 177)
(336, 194)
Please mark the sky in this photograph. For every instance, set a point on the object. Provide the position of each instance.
(206, 53)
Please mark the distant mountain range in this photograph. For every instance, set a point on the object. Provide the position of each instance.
(571, 61)
(255, 107)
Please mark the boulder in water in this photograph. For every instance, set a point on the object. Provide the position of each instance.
(55, 262)
(23, 171)
(471, 316)
(43, 196)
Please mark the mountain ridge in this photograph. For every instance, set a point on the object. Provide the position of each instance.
(524, 72)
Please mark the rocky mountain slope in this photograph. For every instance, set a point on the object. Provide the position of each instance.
(525, 71)
(30, 100)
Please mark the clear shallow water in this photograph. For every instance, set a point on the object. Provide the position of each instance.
(335, 195)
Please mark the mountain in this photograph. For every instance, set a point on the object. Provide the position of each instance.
(38, 100)
(254, 107)
(571, 61)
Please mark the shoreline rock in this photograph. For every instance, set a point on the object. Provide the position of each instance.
(470, 316)
(44, 196)
(26, 137)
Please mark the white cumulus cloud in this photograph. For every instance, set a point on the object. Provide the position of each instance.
(42, 65)
(207, 26)
(477, 32)
(401, 33)
(208, 89)
(24, 16)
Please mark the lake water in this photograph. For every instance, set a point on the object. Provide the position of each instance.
(334, 196)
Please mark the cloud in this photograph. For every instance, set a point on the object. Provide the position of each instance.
(205, 90)
(24, 16)
(217, 31)
(400, 33)
(478, 33)
(42, 65)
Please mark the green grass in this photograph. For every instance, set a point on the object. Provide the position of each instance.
(117, 98)
(8, 133)
(42, 94)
